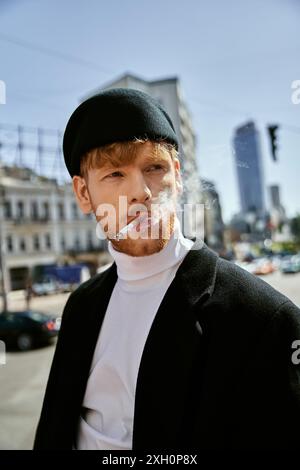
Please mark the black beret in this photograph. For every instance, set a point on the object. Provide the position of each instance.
(114, 115)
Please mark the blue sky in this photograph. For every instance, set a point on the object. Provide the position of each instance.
(235, 60)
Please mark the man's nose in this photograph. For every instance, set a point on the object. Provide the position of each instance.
(139, 190)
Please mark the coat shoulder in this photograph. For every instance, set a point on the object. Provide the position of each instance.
(235, 287)
(92, 283)
(87, 290)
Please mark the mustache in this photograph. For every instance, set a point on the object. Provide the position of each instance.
(128, 217)
(163, 200)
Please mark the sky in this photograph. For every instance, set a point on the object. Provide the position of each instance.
(236, 62)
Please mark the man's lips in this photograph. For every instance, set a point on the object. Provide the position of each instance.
(139, 221)
(142, 221)
(138, 215)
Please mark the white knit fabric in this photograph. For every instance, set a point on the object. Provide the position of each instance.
(108, 406)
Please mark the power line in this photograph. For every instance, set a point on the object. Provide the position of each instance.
(230, 110)
(51, 52)
(86, 63)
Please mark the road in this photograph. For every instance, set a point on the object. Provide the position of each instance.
(288, 284)
(23, 378)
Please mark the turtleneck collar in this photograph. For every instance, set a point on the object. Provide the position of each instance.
(136, 268)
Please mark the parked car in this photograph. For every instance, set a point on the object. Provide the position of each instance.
(27, 328)
(263, 266)
(258, 266)
(47, 285)
(290, 265)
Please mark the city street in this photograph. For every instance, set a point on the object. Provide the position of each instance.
(23, 378)
(288, 284)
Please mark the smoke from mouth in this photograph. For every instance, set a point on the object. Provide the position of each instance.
(161, 208)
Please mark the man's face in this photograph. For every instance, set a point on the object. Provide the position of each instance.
(137, 187)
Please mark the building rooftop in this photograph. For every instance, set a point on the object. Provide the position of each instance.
(23, 177)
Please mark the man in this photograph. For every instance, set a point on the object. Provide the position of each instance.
(172, 347)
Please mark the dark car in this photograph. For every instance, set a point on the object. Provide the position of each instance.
(28, 328)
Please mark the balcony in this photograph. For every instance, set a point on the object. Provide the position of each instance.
(29, 220)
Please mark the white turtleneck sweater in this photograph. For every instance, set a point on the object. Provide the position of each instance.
(108, 405)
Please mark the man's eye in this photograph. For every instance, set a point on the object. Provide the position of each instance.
(115, 174)
(155, 168)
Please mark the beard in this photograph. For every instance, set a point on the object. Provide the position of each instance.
(147, 245)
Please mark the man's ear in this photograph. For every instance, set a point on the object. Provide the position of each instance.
(82, 195)
(179, 185)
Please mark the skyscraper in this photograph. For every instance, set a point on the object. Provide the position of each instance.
(275, 196)
(277, 210)
(214, 226)
(248, 162)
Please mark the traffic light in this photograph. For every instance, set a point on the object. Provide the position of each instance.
(272, 130)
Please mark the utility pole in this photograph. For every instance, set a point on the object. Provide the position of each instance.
(2, 261)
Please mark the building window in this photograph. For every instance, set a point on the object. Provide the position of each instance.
(20, 210)
(46, 210)
(22, 244)
(48, 241)
(77, 244)
(61, 212)
(34, 211)
(7, 210)
(9, 243)
(89, 240)
(62, 243)
(74, 210)
(36, 242)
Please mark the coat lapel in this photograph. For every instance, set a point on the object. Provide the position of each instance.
(170, 368)
(90, 312)
(82, 319)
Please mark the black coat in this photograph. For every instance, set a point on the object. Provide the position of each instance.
(216, 371)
